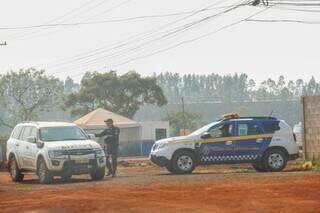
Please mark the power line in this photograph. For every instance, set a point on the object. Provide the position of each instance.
(106, 21)
(186, 41)
(138, 37)
(167, 34)
(284, 20)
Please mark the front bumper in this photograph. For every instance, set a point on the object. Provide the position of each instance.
(293, 156)
(76, 164)
(159, 160)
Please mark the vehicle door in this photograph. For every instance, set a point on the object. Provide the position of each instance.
(32, 149)
(218, 146)
(250, 141)
(16, 143)
(24, 147)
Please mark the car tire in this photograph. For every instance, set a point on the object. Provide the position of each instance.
(183, 162)
(45, 177)
(98, 174)
(15, 172)
(169, 168)
(274, 160)
(66, 178)
(259, 167)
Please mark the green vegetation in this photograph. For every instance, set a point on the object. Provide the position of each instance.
(179, 121)
(27, 93)
(122, 94)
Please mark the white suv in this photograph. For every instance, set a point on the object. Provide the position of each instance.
(53, 149)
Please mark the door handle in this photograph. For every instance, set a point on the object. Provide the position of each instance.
(27, 147)
(17, 144)
(259, 140)
(228, 143)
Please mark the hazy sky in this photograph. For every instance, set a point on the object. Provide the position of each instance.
(261, 50)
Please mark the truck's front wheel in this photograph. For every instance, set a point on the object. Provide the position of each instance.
(98, 174)
(183, 162)
(44, 174)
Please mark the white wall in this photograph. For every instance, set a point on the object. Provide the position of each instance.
(149, 129)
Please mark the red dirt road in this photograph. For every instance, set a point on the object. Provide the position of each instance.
(150, 189)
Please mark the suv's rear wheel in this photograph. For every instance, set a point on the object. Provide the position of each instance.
(44, 174)
(274, 160)
(14, 170)
(98, 174)
(183, 162)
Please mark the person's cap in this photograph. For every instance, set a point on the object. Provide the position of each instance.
(108, 120)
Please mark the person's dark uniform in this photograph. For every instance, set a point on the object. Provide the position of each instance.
(225, 131)
(112, 144)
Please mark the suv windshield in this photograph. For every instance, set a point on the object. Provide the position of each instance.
(62, 133)
(204, 129)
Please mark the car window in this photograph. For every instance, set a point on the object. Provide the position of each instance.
(248, 129)
(25, 133)
(271, 126)
(34, 132)
(16, 132)
(223, 130)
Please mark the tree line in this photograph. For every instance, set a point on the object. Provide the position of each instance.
(232, 88)
(29, 94)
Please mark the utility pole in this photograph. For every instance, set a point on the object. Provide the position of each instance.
(183, 117)
(3, 43)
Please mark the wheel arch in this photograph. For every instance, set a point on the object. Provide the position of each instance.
(37, 161)
(193, 151)
(13, 154)
(278, 148)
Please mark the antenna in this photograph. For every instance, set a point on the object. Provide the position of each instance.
(271, 113)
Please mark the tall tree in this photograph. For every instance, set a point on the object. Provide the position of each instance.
(26, 93)
(178, 121)
(123, 94)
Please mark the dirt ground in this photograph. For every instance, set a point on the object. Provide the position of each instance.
(141, 187)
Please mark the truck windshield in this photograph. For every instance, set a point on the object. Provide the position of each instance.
(65, 133)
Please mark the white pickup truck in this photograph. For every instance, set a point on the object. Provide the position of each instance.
(51, 149)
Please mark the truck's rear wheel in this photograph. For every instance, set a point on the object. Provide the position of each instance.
(44, 174)
(274, 160)
(14, 170)
(183, 162)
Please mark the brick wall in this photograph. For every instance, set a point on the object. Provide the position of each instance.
(311, 127)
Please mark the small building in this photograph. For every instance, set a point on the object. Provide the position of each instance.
(151, 132)
(136, 138)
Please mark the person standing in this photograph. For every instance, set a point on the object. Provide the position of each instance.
(112, 143)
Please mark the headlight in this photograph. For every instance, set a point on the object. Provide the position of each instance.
(99, 152)
(161, 145)
(56, 154)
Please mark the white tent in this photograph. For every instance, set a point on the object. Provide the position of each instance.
(130, 131)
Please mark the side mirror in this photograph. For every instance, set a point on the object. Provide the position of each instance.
(206, 135)
(32, 139)
(91, 136)
(40, 144)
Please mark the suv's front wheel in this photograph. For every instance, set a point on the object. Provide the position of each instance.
(44, 174)
(14, 170)
(183, 162)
